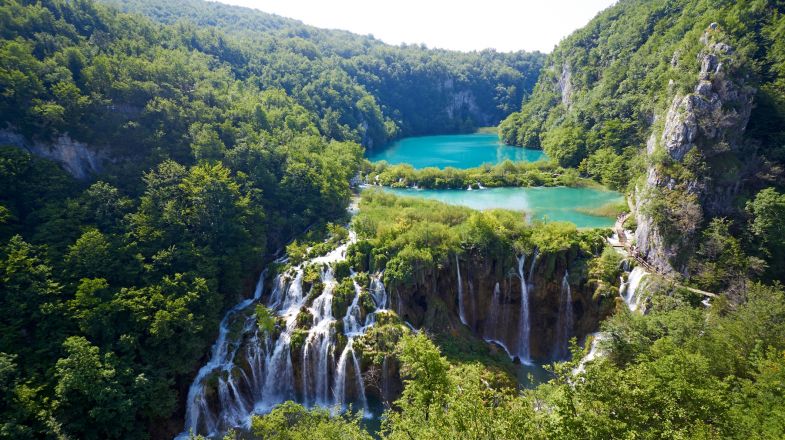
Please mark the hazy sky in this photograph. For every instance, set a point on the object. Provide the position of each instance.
(505, 25)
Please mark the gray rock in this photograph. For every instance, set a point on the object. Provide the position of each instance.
(77, 158)
(711, 120)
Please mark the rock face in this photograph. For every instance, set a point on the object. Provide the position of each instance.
(700, 125)
(491, 301)
(464, 101)
(77, 158)
(565, 85)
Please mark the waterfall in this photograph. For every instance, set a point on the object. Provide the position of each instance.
(631, 296)
(496, 321)
(197, 414)
(351, 322)
(266, 375)
(461, 312)
(595, 350)
(378, 292)
(360, 384)
(339, 387)
(535, 257)
(564, 326)
(524, 325)
(318, 346)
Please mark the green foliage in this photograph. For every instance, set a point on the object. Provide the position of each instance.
(607, 167)
(720, 263)
(265, 319)
(440, 401)
(291, 421)
(412, 238)
(343, 294)
(507, 173)
(768, 211)
(604, 272)
(426, 383)
(676, 372)
(554, 237)
(565, 144)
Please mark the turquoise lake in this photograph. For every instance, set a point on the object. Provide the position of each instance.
(544, 203)
(458, 151)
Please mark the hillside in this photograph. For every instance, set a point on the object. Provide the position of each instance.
(420, 90)
(697, 86)
(183, 253)
(149, 170)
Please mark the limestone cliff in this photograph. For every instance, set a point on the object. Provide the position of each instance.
(681, 188)
(77, 158)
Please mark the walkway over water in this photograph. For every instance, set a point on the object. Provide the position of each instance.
(623, 244)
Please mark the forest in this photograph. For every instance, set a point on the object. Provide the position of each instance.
(157, 156)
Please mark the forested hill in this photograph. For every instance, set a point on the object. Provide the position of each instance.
(187, 156)
(681, 103)
(419, 90)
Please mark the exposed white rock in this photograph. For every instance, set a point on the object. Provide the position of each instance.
(711, 119)
(77, 158)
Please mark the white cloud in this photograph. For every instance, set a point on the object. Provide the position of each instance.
(505, 25)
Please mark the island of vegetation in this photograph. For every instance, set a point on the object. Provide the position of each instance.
(183, 240)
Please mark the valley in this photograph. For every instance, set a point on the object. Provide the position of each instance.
(217, 222)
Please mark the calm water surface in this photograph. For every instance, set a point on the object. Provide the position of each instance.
(552, 203)
(458, 151)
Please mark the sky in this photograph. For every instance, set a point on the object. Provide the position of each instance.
(504, 25)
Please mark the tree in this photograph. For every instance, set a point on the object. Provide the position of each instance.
(291, 421)
(768, 210)
(426, 385)
(94, 396)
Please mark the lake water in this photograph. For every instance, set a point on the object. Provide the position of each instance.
(549, 203)
(458, 151)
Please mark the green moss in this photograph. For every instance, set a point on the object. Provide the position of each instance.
(380, 341)
(343, 294)
(304, 319)
(298, 339)
(265, 319)
(341, 269)
(366, 302)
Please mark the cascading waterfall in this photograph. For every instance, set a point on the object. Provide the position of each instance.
(565, 324)
(318, 349)
(340, 377)
(197, 414)
(595, 351)
(535, 257)
(631, 296)
(524, 325)
(267, 375)
(461, 312)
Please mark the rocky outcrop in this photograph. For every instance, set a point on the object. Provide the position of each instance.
(464, 102)
(77, 158)
(707, 122)
(565, 85)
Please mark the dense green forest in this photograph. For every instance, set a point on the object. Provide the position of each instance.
(419, 90)
(609, 90)
(213, 137)
(213, 149)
